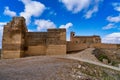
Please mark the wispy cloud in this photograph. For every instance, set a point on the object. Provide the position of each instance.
(75, 6)
(114, 19)
(109, 26)
(94, 9)
(32, 8)
(112, 38)
(8, 12)
(116, 6)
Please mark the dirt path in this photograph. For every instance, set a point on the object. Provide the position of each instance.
(37, 68)
(87, 56)
(68, 67)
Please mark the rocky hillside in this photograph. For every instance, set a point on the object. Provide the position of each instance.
(54, 68)
(112, 55)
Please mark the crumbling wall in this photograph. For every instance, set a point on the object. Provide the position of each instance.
(84, 39)
(52, 42)
(103, 45)
(56, 42)
(18, 42)
(13, 38)
(36, 43)
(71, 46)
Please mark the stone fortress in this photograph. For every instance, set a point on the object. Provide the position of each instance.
(18, 42)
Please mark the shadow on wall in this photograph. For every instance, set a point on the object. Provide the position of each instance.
(0, 53)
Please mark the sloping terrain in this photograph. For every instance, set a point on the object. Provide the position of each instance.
(86, 55)
(54, 68)
(112, 55)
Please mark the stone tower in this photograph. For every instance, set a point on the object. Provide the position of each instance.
(14, 38)
(72, 34)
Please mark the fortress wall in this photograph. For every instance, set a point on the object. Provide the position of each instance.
(71, 46)
(52, 42)
(11, 54)
(103, 45)
(36, 38)
(61, 33)
(11, 44)
(18, 42)
(56, 42)
(13, 38)
(36, 50)
(75, 46)
(56, 50)
(118, 46)
(36, 43)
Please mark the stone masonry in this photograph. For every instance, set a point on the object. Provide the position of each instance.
(18, 42)
(85, 39)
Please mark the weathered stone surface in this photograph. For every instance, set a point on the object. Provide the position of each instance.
(53, 42)
(78, 43)
(18, 42)
(13, 38)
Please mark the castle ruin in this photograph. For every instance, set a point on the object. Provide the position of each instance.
(18, 42)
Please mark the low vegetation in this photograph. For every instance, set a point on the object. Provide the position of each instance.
(109, 55)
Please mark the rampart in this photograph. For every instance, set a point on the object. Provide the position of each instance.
(18, 42)
(46, 43)
(78, 43)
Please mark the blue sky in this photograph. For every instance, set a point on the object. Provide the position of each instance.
(85, 17)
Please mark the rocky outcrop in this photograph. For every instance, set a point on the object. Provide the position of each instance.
(112, 55)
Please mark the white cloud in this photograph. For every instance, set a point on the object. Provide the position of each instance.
(68, 25)
(116, 6)
(1, 32)
(89, 6)
(32, 8)
(90, 12)
(115, 19)
(109, 26)
(44, 24)
(112, 38)
(2, 23)
(93, 10)
(75, 5)
(8, 12)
